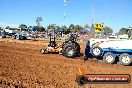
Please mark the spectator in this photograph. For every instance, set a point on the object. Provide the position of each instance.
(87, 54)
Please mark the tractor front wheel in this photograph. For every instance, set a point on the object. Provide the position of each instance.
(43, 51)
(69, 51)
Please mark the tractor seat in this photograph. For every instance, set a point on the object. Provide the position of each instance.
(52, 44)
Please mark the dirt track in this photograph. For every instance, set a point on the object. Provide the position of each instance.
(21, 65)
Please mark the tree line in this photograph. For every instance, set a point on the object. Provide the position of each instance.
(127, 31)
(72, 27)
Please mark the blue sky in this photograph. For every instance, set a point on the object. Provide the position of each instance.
(113, 13)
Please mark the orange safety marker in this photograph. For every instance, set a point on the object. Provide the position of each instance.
(81, 71)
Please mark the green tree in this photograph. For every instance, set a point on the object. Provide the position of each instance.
(77, 28)
(129, 33)
(51, 26)
(107, 30)
(8, 27)
(39, 28)
(30, 27)
(71, 27)
(123, 31)
(65, 27)
(86, 26)
(38, 20)
(23, 27)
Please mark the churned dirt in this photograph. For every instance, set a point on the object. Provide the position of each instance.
(22, 66)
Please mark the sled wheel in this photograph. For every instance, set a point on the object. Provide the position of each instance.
(125, 59)
(69, 51)
(109, 58)
(96, 51)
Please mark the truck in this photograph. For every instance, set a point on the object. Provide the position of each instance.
(10, 32)
(14, 34)
(111, 51)
(19, 36)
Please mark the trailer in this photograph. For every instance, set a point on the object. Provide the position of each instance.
(111, 51)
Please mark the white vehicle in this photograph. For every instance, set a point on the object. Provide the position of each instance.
(112, 37)
(94, 41)
(110, 50)
(10, 31)
(124, 36)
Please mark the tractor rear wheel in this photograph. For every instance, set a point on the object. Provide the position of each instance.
(75, 49)
(69, 51)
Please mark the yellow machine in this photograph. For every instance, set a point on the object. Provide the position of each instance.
(53, 47)
(70, 48)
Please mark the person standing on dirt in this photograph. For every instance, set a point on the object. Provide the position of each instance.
(87, 54)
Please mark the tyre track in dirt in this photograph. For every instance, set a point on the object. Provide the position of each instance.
(58, 59)
(22, 64)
